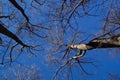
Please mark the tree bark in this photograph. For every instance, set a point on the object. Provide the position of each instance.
(112, 42)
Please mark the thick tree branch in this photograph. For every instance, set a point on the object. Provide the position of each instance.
(4, 16)
(20, 9)
(112, 42)
(8, 33)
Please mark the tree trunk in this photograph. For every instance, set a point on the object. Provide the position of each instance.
(112, 42)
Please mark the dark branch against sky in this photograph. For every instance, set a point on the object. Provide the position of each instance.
(66, 35)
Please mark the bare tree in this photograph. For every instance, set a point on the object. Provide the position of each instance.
(74, 50)
(56, 26)
(22, 73)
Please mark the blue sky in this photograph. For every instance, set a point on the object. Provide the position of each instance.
(106, 60)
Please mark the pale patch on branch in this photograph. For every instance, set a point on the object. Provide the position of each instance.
(112, 42)
(80, 46)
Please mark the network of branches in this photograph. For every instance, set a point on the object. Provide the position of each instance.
(31, 26)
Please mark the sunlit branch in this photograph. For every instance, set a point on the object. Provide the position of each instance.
(112, 42)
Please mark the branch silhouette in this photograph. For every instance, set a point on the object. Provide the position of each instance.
(16, 5)
(11, 35)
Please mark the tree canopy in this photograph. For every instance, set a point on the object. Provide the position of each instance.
(61, 33)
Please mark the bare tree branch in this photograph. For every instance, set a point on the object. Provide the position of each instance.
(20, 9)
(8, 33)
(4, 16)
(112, 42)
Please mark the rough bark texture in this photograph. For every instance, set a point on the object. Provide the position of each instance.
(112, 42)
